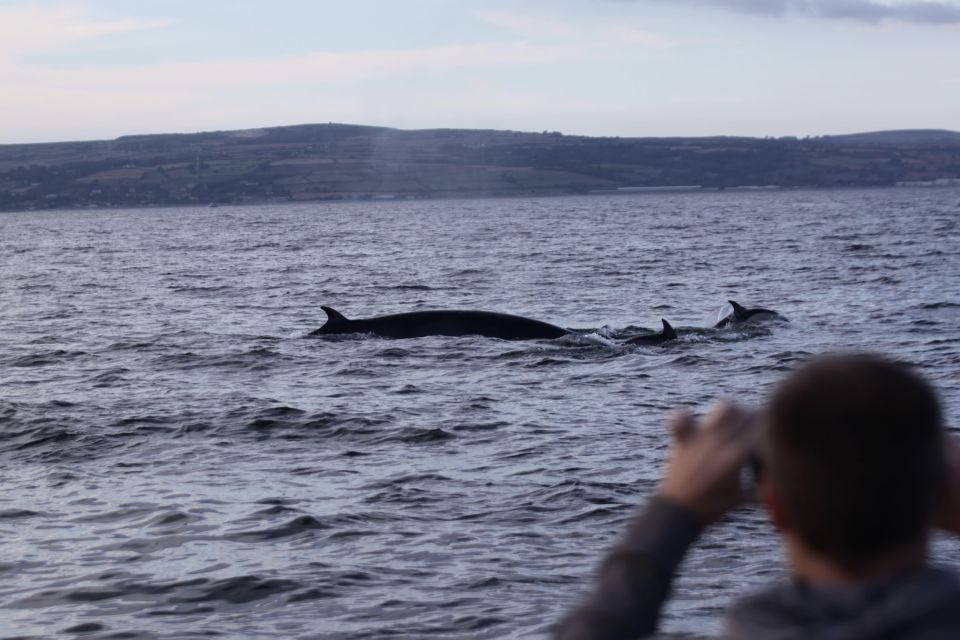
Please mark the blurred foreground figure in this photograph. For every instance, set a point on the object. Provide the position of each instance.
(855, 470)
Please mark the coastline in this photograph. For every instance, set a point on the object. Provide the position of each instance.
(647, 192)
(333, 163)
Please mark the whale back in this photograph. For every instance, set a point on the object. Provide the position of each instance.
(418, 324)
(336, 323)
(668, 332)
(740, 312)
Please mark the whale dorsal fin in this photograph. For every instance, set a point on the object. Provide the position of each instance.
(334, 318)
(738, 310)
(668, 331)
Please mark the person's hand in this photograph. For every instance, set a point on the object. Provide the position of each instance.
(703, 474)
(948, 515)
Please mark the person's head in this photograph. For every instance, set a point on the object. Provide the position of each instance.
(853, 446)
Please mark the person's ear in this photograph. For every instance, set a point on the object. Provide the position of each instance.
(767, 494)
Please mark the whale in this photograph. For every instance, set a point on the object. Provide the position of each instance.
(419, 324)
(655, 338)
(741, 314)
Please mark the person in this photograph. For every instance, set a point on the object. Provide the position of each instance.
(855, 470)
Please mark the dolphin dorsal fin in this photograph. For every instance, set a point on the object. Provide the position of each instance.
(334, 317)
(738, 309)
(668, 330)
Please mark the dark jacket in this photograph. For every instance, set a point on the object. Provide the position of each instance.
(924, 604)
(634, 581)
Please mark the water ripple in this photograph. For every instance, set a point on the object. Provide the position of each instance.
(181, 461)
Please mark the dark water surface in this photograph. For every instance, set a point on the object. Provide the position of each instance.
(179, 460)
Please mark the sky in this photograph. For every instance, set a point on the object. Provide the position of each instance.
(98, 69)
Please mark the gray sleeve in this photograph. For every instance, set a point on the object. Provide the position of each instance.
(634, 578)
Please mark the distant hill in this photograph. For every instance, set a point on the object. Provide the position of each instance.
(344, 161)
(900, 137)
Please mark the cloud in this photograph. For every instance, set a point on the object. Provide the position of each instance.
(306, 70)
(594, 35)
(322, 85)
(28, 29)
(915, 12)
(43, 101)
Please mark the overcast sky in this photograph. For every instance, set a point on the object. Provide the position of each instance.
(92, 69)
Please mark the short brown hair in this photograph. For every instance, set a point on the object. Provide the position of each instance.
(854, 445)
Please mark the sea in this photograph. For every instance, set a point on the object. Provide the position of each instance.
(180, 459)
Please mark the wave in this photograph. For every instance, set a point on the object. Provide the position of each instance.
(228, 591)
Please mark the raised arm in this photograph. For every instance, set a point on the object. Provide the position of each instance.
(701, 484)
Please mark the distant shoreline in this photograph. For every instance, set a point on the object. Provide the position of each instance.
(466, 198)
(335, 162)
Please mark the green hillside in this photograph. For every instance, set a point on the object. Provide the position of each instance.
(337, 161)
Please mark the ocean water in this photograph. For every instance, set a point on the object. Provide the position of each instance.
(180, 460)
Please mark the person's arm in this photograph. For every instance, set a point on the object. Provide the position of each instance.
(634, 578)
(701, 484)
